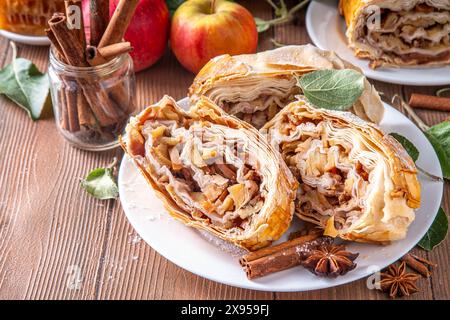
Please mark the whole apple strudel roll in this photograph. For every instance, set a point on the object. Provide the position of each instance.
(255, 87)
(213, 171)
(399, 32)
(355, 182)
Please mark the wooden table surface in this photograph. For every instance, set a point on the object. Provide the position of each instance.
(52, 232)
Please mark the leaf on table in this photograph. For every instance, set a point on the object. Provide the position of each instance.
(437, 232)
(101, 184)
(332, 89)
(22, 82)
(439, 136)
(408, 145)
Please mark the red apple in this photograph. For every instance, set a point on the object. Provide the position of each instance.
(203, 29)
(148, 31)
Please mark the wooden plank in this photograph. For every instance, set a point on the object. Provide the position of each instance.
(50, 228)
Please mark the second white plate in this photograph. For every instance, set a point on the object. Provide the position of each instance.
(30, 40)
(190, 250)
(326, 28)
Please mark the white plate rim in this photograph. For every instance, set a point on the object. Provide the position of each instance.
(24, 39)
(363, 63)
(252, 285)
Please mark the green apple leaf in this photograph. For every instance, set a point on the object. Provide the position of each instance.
(408, 145)
(23, 83)
(173, 5)
(101, 184)
(437, 232)
(439, 136)
(261, 25)
(332, 89)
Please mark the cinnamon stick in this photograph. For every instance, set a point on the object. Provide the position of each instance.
(419, 264)
(68, 41)
(63, 114)
(85, 115)
(277, 258)
(57, 48)
(429, 102)
(104, 110)
(73, 18)
(99, 18)
(119, 23)
(72, 108)
(97, 56)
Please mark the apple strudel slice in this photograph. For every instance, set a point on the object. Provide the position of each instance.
(255, 87)
(399, 32)
(213, 171)
(355, 182)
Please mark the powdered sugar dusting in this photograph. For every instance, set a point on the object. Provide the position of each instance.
(223, 245)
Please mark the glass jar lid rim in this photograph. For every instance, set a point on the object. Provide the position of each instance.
(95, 69)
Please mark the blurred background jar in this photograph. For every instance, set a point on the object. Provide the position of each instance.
(92, 104)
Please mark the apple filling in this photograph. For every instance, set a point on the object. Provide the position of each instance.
(207, 169)
(421, 34)
(334, 178)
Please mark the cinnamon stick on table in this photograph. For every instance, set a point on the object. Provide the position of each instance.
(419, 264)
(429, 102)
(99, 18)
(119, 22)
(280, 257)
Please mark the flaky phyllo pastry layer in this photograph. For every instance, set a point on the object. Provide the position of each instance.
(399, 32)
(255, 87)
(355, 182)
(213, 171)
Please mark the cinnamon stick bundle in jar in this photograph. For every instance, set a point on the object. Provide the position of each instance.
(97, 97)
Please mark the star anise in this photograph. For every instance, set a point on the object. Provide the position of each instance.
(330, 260)
(398, 282)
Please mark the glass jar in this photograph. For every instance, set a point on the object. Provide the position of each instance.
(92, 104)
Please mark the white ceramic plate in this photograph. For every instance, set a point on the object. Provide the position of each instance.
(30, 40)
(326, 29)
(190, 250)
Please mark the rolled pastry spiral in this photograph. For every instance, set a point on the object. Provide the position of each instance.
(213, 171)
(255, 87)
(355, 182)
(403, 33)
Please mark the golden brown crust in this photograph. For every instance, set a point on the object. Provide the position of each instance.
(273, 219)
